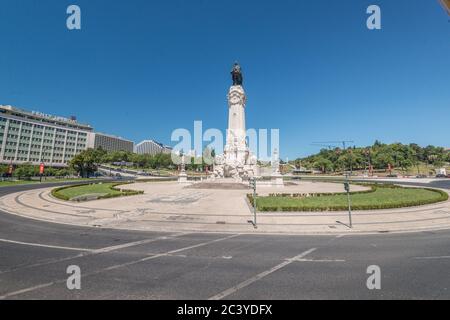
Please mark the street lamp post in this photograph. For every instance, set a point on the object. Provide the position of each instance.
(349, 200)
(345, 173)
(253, 186)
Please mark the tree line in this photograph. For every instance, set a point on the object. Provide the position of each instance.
(86, 163)
(379, 156)
(27, 171)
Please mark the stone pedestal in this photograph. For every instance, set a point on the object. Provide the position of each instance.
(277, 177)
(277, 180)
(183, 178)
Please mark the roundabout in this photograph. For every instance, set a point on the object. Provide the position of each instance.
(131, 264)
(171, 207)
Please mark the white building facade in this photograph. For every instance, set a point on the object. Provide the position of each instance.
(33, 137)
(109, 143)
(151, 147)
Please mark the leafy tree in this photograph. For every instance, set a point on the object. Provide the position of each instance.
(323, 164)
(86, 162)
(26, 171)
(3, 169)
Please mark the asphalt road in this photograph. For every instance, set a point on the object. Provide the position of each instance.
(114, 264)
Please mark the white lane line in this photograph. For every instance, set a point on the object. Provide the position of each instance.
(92, 252)
(15, 293)
(31, 244)
(312, 260)
(114, 267)
(136, 243)
(165, 254)
(433, 258)
(248, 282)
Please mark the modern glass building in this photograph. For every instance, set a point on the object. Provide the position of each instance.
(34, 137)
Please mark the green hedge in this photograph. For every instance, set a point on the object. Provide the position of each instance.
(55, 192)
(443, 196)
(124, 193)
(162, 179)
(318, 195)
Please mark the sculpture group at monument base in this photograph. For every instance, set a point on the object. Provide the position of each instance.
(237, 161)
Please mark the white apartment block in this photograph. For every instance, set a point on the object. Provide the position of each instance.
(33, 137)
(109, 143)
(151, 147)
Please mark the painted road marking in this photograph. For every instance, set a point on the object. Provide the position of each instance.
(15, 293)
(264, 274)
(31, 244)
(165, 254)
(312, 260)
(136, 243)
(433, 258)
(87, 252)
(118, 266)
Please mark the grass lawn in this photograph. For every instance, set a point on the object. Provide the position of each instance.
(85, 192)
(380, 198)
(79, 191)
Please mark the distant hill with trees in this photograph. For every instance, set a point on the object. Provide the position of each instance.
(379, 156)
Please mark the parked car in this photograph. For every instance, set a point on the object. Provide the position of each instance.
(441, 176)
(392, 176)
(421, 176)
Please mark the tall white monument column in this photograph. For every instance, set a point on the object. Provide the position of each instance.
(237, 161)
(236, 148)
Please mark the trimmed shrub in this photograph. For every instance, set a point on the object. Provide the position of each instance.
(443, 196)
(123, 192)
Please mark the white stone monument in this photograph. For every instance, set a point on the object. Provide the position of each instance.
(277, 177)
(237, 162)
(183, 177)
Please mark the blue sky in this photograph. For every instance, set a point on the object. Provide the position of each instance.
(141, 68)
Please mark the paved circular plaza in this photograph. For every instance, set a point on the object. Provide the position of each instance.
(168, 206)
